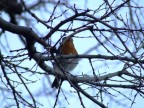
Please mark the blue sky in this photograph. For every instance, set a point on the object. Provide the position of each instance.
(41, 85)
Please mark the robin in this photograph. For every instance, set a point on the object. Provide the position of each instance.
(66, 48)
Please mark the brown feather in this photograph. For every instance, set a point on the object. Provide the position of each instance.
(68, 48)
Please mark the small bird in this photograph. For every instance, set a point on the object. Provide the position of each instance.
(66, 48)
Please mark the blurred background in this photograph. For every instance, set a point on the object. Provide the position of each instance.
(114, 44)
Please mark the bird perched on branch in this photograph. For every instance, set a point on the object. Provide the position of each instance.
(66, 48)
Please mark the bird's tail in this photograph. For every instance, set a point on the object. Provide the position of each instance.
(56, 82)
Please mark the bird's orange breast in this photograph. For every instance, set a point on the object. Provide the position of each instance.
(68, 48)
